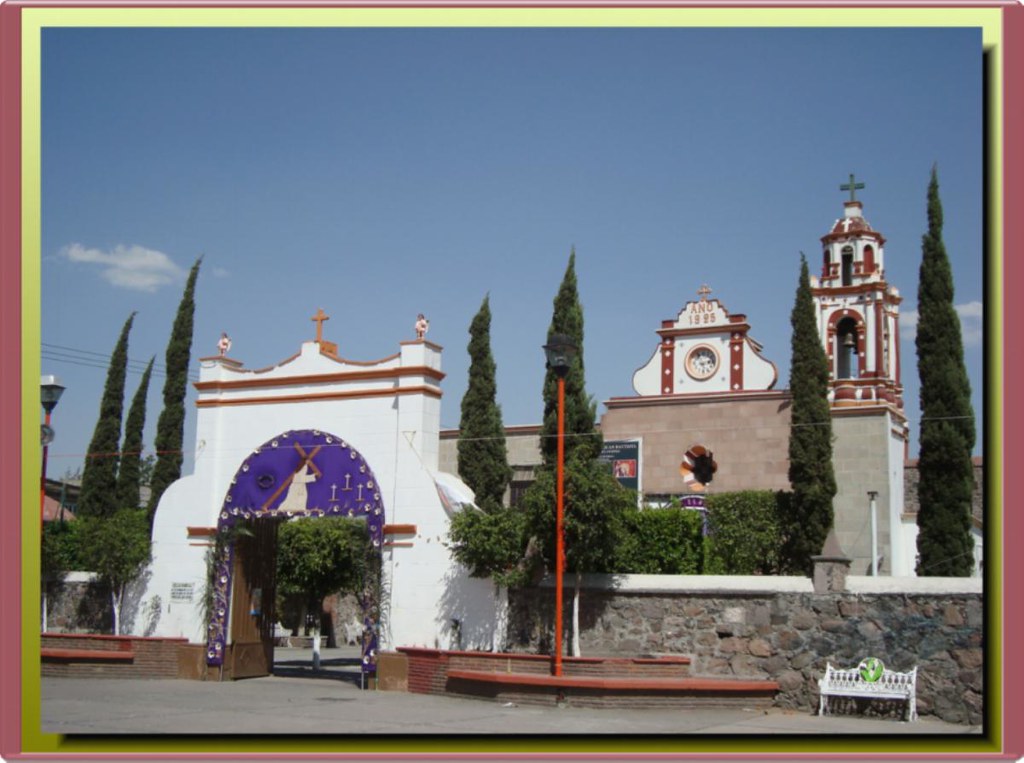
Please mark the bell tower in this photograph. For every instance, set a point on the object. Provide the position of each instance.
(858, 312)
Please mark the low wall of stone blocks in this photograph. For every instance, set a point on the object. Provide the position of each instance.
(779, 628)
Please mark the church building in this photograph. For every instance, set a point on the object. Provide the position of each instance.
(709, 387)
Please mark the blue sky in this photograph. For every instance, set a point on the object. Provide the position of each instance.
(379, 173)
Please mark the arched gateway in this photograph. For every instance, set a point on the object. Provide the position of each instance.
(305, 473)
(314, 435)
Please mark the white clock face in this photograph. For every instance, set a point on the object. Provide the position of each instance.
(702, 362)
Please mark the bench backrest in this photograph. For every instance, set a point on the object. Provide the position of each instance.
(851, 677)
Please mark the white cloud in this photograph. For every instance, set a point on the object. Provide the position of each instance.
(128, 267)
(908, 324)
(220, 273)
(971, 323)
(970, 314)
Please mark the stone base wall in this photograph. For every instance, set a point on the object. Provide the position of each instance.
(788, 636)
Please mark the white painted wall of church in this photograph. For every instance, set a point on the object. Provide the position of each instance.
(398, 437)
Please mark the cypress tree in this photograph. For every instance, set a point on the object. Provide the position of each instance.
(99, 477)
(594, 500)
(944, 542)
(170, 428)
(580, 410)
(129, 475)
(810, 436)
(483, 458)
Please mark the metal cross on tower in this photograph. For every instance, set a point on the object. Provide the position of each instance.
(703, 291)
(852, 187)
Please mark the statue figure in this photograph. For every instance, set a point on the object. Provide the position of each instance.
(224, 344)
(422, 324)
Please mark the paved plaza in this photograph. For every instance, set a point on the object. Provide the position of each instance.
(295, 700)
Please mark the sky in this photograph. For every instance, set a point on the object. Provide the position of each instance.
(381, 173)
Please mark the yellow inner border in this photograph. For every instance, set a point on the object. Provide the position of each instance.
(34, 20)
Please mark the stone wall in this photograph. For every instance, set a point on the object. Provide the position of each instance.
(778, 628)
(78, 604)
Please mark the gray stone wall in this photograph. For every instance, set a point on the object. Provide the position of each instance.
(786, 636)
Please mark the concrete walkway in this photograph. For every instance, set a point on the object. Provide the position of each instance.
(298, 701)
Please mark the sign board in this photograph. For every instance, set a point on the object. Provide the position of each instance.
(182, 592)
(623, 460)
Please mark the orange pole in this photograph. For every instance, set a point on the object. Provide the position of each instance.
(559, 539)
(42, 482)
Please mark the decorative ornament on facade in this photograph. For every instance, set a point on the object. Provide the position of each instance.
(224, 345)
(698, 468)
(422, 324)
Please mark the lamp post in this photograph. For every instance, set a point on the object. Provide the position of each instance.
(50, 390)
(560, 351)
(872, 495)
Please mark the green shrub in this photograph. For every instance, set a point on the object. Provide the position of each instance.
(745, 533)
(660, 542)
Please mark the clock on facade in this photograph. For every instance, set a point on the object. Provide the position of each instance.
(701, 362)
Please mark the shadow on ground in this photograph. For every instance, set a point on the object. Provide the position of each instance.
(346, 669)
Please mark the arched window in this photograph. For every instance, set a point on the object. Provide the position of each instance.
(869, 259)
(847, 266)
(846, 349)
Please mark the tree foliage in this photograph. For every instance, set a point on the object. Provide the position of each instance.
(129, 475)
(171, 424)
(117, 548)
(745, 536)
(490, 544)
(59, 553)
(660, 541)
(580, 408)
(99, 477)
(944, 542)
(810, 437)
(322, 556)
(594, 505)
(483, 458)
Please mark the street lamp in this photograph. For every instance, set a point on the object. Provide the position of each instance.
(560, 351)
(50, 390)
(872, 495)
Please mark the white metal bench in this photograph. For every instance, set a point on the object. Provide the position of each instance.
(850, 683)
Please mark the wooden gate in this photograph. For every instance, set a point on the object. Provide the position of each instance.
(251, 652)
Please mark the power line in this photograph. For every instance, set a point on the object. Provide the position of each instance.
(91, 359)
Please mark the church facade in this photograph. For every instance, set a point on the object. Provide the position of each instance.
(316, 435)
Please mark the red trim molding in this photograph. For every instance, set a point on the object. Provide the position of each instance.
(418, 390)
(667, 384)
(342, 376)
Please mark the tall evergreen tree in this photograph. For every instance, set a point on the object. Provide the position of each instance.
(99, 477)
(594, 501)
(170, 428)
(944, 542)
(580, 409)
(810, 436)
(129, 475)
(483, 458)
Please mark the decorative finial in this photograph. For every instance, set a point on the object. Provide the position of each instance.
(703, 291)
(319, 319)
(422, 324)
(852, 187)
(224, 344)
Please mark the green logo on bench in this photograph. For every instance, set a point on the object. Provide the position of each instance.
(871, 669)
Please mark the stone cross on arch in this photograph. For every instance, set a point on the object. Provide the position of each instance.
(703, 292)
(852, 187)
(319, 319)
